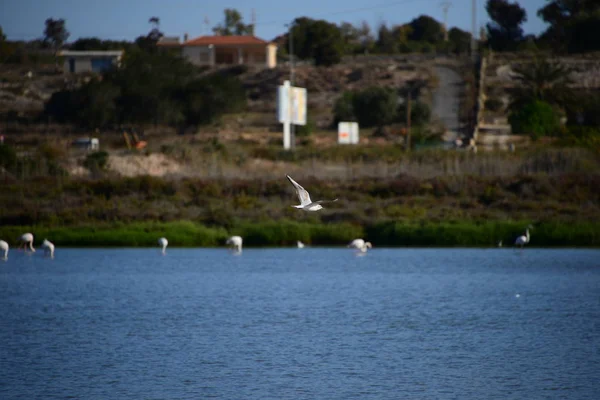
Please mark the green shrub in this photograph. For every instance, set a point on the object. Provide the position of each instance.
(97, 160)
(343, 109)
(420, 113)
(536, 118)
(306, 130)
(8, 156)
(375, 106)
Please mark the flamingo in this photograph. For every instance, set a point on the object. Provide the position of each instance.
(300, 244)
(360, 244)
(306, 203)
(523, 239)
(236, 242)
(27, 238)
(4, 247)
(48, 247)
(163, 242)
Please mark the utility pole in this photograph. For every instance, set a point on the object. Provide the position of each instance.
(474, 30)
(445, 6)
(291, 42)
(408, 112)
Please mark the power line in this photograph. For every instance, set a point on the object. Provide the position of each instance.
(267, 23)
(352, 10)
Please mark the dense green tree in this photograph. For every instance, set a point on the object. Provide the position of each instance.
(505, 32)
(6, 48)
(460, 41)
(208, 98)
(148, 42)
(233, 24)
(318, 40)
(574, 25)
(426, 29)
(343, 109)
(386, 42)
(56, 33)
(543, 80)
(350, 35)
(375, 106)
(149, 87)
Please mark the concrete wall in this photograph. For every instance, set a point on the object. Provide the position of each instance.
(83, 63)
(271, 55)
(199, 55)
(205, 55)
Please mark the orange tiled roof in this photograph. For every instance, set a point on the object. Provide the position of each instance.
(224, 40)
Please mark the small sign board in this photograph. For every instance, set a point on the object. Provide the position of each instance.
(348, 132)
(291, 104)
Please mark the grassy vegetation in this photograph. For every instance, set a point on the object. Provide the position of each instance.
(285, 233)
(428, 198)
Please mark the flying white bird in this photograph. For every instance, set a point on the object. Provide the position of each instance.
(163, 242)
(48, 248)
(26, 238)
(4, 247)
(300, 244)
(360, 244)
(523, 239)
(236, 243)
(306, 203)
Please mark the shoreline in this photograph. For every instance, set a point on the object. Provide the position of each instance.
(285, 233)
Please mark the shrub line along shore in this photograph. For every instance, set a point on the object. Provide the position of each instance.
(286, 233)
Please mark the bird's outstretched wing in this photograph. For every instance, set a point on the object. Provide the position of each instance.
(303, 195)
(325, 201)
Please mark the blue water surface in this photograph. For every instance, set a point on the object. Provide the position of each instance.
(312, 323)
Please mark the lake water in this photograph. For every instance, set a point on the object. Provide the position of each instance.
(308, 323)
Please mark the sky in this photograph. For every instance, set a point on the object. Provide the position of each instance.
(128, 19)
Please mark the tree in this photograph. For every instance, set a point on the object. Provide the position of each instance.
(426, 29)
(328, 44)
(148, 42)
(365, 37)
(318, 40)
(542, 80)
(460, 40)
(343, 109)
(155, 34)
(350, 35)
(505, 32)
(55, 34)
(385, 40)
(375, 106)
(233, 25)
(574, 25)
(6, 49)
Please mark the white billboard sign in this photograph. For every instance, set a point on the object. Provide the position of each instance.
(348, 132)
(291, 104)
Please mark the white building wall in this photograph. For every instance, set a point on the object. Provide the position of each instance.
(199, 55)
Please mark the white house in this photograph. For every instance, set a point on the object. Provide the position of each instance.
(225, 50)
(90, 61)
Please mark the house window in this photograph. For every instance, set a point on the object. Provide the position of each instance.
(101, 64)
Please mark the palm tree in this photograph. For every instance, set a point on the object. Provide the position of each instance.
(543, 79)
